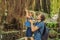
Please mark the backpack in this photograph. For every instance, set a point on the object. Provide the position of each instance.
(45, 33)
(44, 30)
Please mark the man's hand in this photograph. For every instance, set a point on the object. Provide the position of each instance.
(31, 21)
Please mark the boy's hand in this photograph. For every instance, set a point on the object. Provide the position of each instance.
(26, 11)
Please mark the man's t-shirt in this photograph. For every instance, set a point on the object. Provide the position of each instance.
(38, 33)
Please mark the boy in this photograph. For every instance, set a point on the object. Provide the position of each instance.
(28, 25)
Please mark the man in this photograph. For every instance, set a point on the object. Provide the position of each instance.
(38, 27)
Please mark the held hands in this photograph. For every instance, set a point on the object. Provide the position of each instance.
(31, 21)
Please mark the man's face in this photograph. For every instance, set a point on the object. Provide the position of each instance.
(39, 17)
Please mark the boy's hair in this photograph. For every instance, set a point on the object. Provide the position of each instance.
(31, 12)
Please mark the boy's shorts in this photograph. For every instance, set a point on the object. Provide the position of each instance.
(28, 32)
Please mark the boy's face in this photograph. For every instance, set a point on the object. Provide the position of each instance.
(30, 14)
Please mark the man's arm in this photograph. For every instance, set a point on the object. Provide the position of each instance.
(34, 28)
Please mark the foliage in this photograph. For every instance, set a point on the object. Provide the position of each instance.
(54, 7)
(52, 24)
(52, 33)
(0, 1)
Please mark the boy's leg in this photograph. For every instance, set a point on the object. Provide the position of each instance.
(26, 38)
(31, 38)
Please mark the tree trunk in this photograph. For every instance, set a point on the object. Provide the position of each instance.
(59, 19)
(37, 5)
(2, 10)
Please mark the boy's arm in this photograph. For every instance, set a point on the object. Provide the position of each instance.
(27, 15)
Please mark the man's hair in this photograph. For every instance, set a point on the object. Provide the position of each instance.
(42, 17)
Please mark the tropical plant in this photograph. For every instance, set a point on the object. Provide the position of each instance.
(51, 25)
(52, 33)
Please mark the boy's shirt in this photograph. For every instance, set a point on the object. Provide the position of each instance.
(27, 23)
